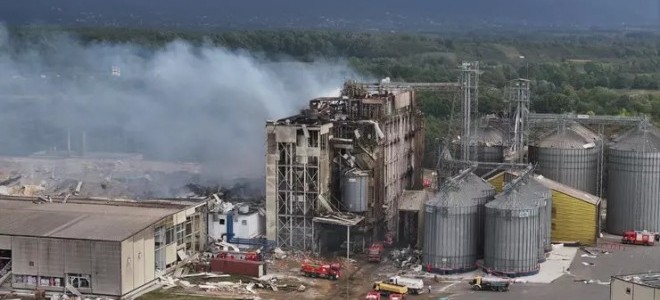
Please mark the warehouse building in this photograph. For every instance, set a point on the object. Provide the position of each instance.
(99, 248)
(644, 286)
(575, 214)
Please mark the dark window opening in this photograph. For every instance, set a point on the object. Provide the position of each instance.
(627, 291)
(222, 221)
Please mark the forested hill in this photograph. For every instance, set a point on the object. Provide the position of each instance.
(616, 73)
(377, 15)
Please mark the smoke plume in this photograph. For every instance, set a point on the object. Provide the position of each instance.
(179, 102)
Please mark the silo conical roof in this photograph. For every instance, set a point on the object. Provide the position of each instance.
(645, 138)
(571, 136)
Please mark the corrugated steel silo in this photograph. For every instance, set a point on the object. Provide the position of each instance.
(512, 233)
(486, 146)
(453, 231)
(569, 155)
(543, 198)
(633, 189)
(354, 187)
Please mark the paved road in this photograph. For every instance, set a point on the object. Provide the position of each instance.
(633, 259)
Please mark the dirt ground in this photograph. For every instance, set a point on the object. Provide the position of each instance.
(589, 282)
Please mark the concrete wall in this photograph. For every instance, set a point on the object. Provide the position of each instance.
(58, 257)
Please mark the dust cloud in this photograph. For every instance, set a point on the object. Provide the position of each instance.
(177, 103)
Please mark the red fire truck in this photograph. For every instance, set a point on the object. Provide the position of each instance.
(639, 238)
(330, 271)
(375, 253)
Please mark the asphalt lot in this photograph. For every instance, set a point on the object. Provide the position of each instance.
(628, 260)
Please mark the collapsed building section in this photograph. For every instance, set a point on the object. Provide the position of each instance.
(342, 161)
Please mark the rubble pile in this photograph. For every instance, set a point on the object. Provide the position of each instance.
(407, 258)
(96, 177)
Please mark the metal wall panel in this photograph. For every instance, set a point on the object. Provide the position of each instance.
(51, 257)
(78, 257)
(512, 235)
(577, 168)
(5, 242)
(453, 237)
(618, 290)
(633, 191)
(25, 255)
(127, 266)
(150, 255)
(138, 260)
(641, 292)
(106, 266)
(354, 189)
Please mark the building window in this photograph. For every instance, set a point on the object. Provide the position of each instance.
(553, 226)
(169, 235)
(79, 281)
(180, 233)
(222, 221)
(25, 279)
(244, 222)
(554, 212)
(51, 281)
(627, 291)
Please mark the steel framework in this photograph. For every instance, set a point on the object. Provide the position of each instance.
(518, 97)
(469, 83)
(298, 188)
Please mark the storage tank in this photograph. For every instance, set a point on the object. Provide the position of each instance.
(487, 146)
(541, 196)
(569, 155)
(354, 191)
(453, 231)
(633, 185)
(512, 233)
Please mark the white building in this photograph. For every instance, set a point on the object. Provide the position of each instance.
(645, 286)
(230, 222)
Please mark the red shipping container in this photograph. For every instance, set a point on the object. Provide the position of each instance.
(238, 267)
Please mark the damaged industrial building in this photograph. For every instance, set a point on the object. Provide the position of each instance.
(343, 162)
(95, 248)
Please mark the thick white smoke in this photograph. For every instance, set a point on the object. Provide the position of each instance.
(179, 102)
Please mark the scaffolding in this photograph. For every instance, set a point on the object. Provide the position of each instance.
(295, 181)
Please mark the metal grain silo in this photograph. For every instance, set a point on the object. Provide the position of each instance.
(453, 231)
(540, 195)
(354, 187)
(512, 233)
(487, 145)
(569, 155)
(633, 189)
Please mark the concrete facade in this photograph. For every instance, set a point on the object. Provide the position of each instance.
(377, 132)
